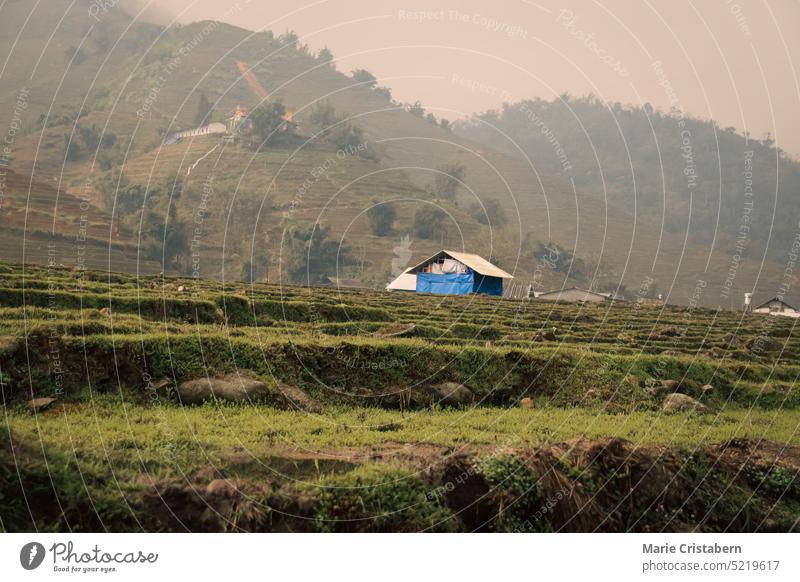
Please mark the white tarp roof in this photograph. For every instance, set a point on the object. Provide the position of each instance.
(474, 262)
(405, 282)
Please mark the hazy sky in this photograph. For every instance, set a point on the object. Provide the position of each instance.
(735, 61)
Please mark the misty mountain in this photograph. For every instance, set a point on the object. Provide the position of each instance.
(723, 188)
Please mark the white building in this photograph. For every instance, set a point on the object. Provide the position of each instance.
(777, 306)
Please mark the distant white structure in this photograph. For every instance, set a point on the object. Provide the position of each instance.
(748, 300)
(215, 128)
(777, 306)
(404, 282)
(576, 295)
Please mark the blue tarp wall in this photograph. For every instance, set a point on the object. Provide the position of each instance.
(446, 284)
(488, 285)
(459, 284)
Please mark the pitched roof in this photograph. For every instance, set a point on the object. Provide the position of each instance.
(778, 299)
(404, 282)
(474, 262)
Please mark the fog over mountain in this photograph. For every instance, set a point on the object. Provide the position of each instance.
(731, 61)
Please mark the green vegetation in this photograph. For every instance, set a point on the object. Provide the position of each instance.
(268, 122)
(428, 221)
(618, 152)
(381, 218)
(374, 451)
(448, 181)
(341, 133)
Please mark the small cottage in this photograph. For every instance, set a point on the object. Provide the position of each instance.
(454, 273)
(777, 306)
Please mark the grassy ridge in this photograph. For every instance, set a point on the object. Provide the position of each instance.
(113, 454)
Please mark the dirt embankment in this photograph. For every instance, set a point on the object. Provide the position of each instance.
(580, 485)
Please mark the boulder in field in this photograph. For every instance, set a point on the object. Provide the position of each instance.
(526, 403)
(7, 343)
(293, 398)
(763, 343)
(707, 389)
(38, 405)
(452, 394)
(670, 331)
(239, 386)
(547, 335)
(730, 340)
(684, 403)
(664, 387)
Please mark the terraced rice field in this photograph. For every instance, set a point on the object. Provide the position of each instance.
(387, 412)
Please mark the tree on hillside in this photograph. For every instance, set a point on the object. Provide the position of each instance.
(381, 218)
(416, 109)
(268, 122)
(365, 77)
(166, 239)
(448, 180)
(311, 255)
(343, 135)
(326, 56)
(72, 151)
(323, 115)
(556, 258)
(94, 138)
(204, 111)
(491, 213)
(428, 222)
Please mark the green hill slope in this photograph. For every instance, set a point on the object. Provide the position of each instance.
(134, 83)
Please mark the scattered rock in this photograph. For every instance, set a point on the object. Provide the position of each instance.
(293, 398)
(548, 335)
(664, 387)
(631, 380)
(453, 394)
(7, 343)
(684, 403)
(670, 331)
(161, 388)
(707, 389)
(526, 403)
(105, 311)
(235, 387)
(731, 340)
(718, 353)
(763, 343)
(38, 405)
(226, 487)
(181, 288)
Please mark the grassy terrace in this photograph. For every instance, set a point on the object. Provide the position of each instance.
(372, 454)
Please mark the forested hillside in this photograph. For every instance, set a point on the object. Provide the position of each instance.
(666, 166)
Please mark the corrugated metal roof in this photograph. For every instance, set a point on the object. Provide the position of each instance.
(474, 262)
